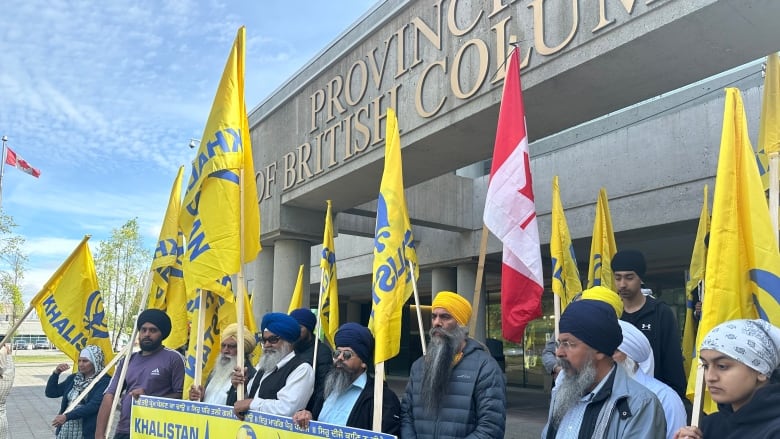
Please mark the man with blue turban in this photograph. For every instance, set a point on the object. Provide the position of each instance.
(594, 397)
(283, 382)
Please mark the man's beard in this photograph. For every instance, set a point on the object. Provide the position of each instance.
(437, 366)
(572, 387)
(220, 379)
(629, 365)
(272, 356)
(147, 345)
(338, 380)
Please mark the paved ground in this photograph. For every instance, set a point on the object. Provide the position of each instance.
(30, 413)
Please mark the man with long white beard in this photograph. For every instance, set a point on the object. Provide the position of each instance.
(635, 355)
(457, 389)
(594, 398)
(218, 387)
(283, 382)
(348, 394)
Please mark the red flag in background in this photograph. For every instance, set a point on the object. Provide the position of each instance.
(13, 159)
(510, 212)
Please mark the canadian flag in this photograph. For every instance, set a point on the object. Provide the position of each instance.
(510, 212)
(14, 159)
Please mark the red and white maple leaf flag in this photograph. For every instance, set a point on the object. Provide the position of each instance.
(14, 159)
(510, 212)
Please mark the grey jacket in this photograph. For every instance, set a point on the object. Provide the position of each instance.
(622, 408)
(474, 406)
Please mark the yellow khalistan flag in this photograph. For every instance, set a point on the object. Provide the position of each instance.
(167, 290)
(213, 210)
(393, 251)
(602, 246)
(329, 293)
(297, 297)
(743, 263)
(694, 281)
(769, 128)
(565, 274)
(70, 306)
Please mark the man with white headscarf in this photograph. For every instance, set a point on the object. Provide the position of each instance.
(636, 356)
(739, 357)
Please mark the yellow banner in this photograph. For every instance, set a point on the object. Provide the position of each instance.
(602, 246)
(154, 418)
(296, 302)
(329, 294)
(565, 275)
(695, 281)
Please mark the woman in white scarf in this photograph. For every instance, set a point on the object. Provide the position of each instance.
(79, 422)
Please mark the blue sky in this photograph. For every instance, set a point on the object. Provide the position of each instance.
(103, 98)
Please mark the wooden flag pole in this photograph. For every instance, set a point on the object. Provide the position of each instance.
(126, 362)
(698, 394)
(198, 378)
(557, 305)
(241, 290)
(419, 311)
(478, 283)
(774, 190)
(379, 381)
(17, 324)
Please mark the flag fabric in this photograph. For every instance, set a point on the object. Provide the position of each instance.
(213, 207)
(392, 280)
(70, 306)
(694, 283)
(769, 128)
(602, 246)
(14, 159)
(743, 263)
(510, 212)
(297, 297)
(565, 274)
(167, 290)
(329, 294)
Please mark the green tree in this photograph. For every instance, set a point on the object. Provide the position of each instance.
(13, 261)
(121, 268)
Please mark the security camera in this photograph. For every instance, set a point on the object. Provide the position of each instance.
(194, 143)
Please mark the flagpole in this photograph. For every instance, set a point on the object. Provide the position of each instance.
(198, 378)
(419, 311)
(2, 172)
(379, 388)
(480, 274)
(774, 190)
(97, 378)
(126, 361)
(698, 394)
(317, 327)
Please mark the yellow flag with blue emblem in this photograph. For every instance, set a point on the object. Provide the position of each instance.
(70, 306)
(565, 274)
(329, 293)
(743, 264)
(221, 194)
(167, 289)
(694, 284)
(297, 297)
(602, 246)
(392, 280)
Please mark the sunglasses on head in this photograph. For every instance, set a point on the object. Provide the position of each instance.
(343, 352)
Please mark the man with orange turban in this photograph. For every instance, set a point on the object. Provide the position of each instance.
(457, 389)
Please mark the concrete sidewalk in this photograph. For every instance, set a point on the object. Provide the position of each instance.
(30, 412)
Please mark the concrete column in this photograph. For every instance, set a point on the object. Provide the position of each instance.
(262, 283)
(442, 279)
(289, 255)
(467, 276)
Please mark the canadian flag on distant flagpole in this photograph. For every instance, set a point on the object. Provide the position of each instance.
(14, 159)
(510, 212)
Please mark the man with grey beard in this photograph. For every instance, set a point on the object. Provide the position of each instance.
(457, 389)
(348, 394)
(594, 398)
(284, 382)
(218, 388)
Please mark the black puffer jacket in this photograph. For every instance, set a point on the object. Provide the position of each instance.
(759, 418)
(474, 406)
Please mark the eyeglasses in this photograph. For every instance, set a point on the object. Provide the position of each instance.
(229, 346)
(343, 352)
(565, 345)
(271, 340)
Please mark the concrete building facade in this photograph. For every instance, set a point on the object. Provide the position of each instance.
(596, 77)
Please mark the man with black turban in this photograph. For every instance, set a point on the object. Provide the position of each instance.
(284, 382)
(154, 371)
(348, 395)
(593, 397)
